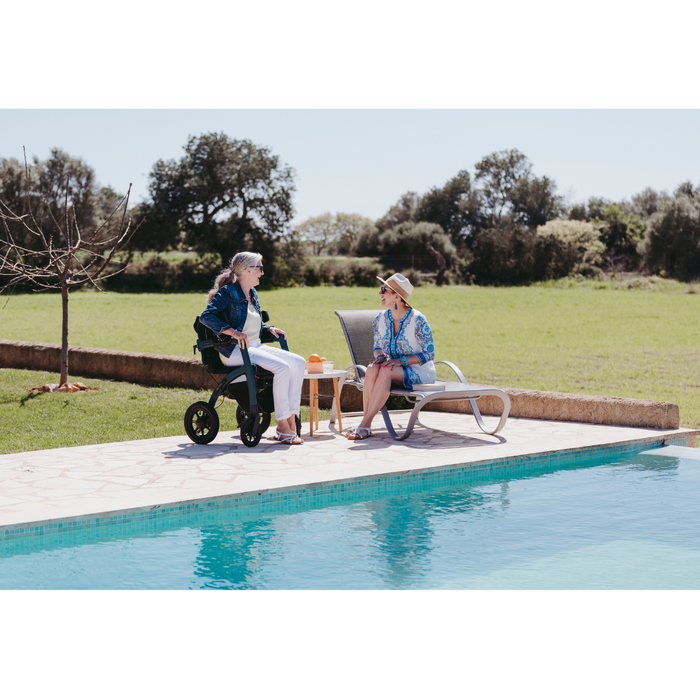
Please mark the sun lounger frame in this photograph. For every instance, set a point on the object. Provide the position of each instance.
(357, 328)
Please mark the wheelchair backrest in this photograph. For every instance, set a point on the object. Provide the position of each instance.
(211, 358)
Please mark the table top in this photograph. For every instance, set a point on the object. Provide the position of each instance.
(333, 374)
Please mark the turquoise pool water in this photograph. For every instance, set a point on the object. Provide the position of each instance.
(630, 522)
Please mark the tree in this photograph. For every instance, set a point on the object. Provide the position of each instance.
(290, 269)
(335, 233)
(46, 186)
(421, 245)
(349, 229)
(318, 231)
(503, 256)
(621, 234)
(399, 213)
(596, 207)
(647, 202)
(454, 207)
(511, 196)
(159, 231)
(534, 201)
(498, 174)
(687, 189)
(63, 254)
(222, 196)
(672, 242)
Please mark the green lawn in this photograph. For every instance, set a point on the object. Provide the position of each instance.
(117, 411)
(591, 338)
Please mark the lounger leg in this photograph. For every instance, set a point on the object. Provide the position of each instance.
(409, 428)
(477, 414)
(480, 421)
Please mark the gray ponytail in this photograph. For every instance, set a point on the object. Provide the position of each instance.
(229, 275)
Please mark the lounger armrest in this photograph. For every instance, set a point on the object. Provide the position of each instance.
(359, 378)
(454, 368)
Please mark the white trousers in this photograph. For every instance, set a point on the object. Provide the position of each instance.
(288, 370)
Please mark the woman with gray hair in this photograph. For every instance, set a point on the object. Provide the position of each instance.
(234, 310)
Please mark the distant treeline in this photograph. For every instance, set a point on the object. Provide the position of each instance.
(502, 225)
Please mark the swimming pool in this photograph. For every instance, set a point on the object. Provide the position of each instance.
(626, 522)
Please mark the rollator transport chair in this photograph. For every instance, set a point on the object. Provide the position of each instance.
(249, 385)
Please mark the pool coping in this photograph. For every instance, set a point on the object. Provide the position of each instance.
(286, 493)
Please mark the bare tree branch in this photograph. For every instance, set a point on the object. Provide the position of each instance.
(65, 258)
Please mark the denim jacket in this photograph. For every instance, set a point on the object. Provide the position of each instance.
(229, 309)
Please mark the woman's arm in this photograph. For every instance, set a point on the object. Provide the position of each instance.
(216, 309)
(424, 337)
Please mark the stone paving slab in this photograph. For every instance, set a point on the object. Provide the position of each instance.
(101, 480)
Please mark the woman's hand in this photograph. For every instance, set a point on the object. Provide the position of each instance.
(384, 361)
(277, 332)
(239, 336)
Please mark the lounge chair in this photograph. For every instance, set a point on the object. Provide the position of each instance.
(357, 327)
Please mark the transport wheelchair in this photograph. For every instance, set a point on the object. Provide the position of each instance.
(249, 385)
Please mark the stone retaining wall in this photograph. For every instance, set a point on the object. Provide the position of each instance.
(188, 373)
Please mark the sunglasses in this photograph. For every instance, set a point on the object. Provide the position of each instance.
(260, 267)
(384, 289)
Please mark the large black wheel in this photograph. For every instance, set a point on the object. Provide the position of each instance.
(250, 435)
(241, 416)
(201, 423)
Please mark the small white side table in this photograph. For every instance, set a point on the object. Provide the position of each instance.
(335, 375)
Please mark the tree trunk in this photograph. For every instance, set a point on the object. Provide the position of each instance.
(442, 265)
(64, 335)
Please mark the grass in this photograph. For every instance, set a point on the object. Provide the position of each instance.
(610, 338)
(117, 411)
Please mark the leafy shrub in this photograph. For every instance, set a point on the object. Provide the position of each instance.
(503, 256)
(158, 274)
(351, 273)
(567, 246)
(672, 242)
(288, 268)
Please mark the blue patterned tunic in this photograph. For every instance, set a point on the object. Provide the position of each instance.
(414, 338)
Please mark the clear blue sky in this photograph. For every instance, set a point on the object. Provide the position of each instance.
(362, 160)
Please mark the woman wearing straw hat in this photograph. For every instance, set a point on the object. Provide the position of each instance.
(403, 351)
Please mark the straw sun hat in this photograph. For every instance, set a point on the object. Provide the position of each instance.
(400, 285)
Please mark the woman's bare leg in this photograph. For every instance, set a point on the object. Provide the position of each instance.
(376, 396)
(368, 385)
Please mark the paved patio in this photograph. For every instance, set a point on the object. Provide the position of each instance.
(100, 480)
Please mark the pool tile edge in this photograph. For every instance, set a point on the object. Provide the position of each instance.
(682, 437)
